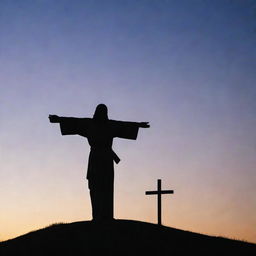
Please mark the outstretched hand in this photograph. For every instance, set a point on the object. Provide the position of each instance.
(144, 125)
(54, 118)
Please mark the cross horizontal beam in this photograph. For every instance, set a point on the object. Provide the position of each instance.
(159, 192)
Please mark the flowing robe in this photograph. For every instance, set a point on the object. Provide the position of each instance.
(100, 171)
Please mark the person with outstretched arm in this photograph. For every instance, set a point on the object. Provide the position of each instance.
(100, 132)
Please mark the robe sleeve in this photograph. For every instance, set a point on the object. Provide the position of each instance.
(74, 126)
(125, 130)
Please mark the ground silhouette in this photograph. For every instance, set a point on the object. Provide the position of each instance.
(121, 237)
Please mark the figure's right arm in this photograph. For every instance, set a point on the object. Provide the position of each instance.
(54, 119)
(58, 119)
(71, 125)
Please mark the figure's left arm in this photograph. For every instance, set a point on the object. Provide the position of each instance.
(128, 130)
(143, 125)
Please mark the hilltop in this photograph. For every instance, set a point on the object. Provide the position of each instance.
(121, 237)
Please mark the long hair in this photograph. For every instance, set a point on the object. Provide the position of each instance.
(101, 113)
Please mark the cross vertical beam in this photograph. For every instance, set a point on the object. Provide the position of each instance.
(159, 193)
(159, 203)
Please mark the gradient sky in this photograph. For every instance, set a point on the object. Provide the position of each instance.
(187, 67)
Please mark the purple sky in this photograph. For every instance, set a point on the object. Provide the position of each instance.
(187, 67)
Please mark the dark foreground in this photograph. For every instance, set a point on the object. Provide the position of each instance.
(121, 237)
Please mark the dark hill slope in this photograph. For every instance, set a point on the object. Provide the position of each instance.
(121, 237)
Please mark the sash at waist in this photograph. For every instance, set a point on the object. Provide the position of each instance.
(114, 155)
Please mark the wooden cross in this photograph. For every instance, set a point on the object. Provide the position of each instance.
(159, 192)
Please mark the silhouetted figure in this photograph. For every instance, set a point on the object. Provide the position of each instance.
(100, 132)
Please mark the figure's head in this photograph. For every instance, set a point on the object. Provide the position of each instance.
(101, 113)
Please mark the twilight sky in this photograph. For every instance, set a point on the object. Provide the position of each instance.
(187, 67)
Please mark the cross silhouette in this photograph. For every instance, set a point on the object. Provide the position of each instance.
(159, 192)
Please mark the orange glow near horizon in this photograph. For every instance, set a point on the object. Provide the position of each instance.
(70, 202)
